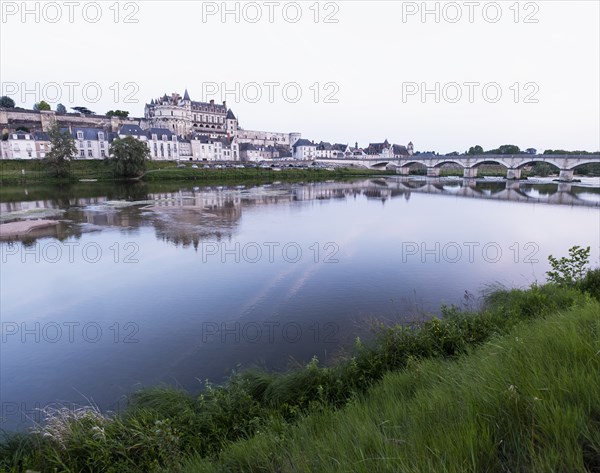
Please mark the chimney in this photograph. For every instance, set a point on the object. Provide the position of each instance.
(225, 104)
(212, 102)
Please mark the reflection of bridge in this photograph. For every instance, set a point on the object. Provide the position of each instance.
(513, 162)
(560, 194)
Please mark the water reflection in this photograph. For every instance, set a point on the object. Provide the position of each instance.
(196, 315)
(185, 216)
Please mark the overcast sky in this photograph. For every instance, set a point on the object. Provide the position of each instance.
(524, 73)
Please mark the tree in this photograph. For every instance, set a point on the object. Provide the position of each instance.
(84, 110)
(7, 102)
(117, 113)
(41, 106)
(568, 271)
(473, 150)
(505, 149)
(542, 169)
(60, 108)
(129, 157)
(62, 149)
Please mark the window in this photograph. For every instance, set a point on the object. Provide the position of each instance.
(89, 144)
(82, 153)
(80, 135)
(90, 153)
(101, 136)
(103, 153)
(154, 137)
(102, 144)
(164, 137)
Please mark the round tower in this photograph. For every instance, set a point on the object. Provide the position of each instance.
(294, 137)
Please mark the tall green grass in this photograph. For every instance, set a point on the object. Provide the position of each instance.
(526, 402)
(164, 426)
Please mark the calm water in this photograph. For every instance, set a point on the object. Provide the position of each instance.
(142, 285)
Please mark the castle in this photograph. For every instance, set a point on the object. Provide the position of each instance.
(173, 127)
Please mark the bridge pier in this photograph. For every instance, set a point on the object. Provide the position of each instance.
(513, 174)
(566, 175)
(470, 173)
(433, 172)
(403, 170)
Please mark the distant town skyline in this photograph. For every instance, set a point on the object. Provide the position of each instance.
(444, 78)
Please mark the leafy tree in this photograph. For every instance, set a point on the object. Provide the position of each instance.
(117, 113)
(7, 102)
(41, 106)
(508, 149)
(62, 149)
(84, 110)
(60, 108)
(473, 150)
(129, 157)
(568, 271)
(542, 169)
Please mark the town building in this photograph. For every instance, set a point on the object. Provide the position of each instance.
(304, 150)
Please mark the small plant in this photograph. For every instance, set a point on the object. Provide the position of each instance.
(568, 271)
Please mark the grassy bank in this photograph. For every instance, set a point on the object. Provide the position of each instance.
(34, 171)
(258, 174)
(526, 402)
(514, 387)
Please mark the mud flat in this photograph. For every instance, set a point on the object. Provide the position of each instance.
(24, 228)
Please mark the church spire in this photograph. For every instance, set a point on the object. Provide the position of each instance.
(186, 96)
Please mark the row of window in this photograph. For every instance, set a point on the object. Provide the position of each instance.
(100, 136)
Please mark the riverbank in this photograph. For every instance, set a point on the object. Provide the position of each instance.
(34, 171)
(511, 387)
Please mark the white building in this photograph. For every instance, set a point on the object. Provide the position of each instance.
(21, 145)
(210, 149)
(304, 150)
(91, 143)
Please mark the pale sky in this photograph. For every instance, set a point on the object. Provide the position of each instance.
(371, 66)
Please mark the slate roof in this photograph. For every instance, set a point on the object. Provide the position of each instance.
(159, 132)
(230, 115)
(303, 142)
(89, 134)
(134, 130)
(186, 96)
(400, 150)
(41, 136)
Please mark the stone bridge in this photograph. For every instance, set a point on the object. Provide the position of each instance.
(514, 163)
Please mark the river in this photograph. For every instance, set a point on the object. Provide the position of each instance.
(140, 285)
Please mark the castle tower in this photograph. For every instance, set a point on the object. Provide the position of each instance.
(294, 137)
(410, 148)
(231, 124)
